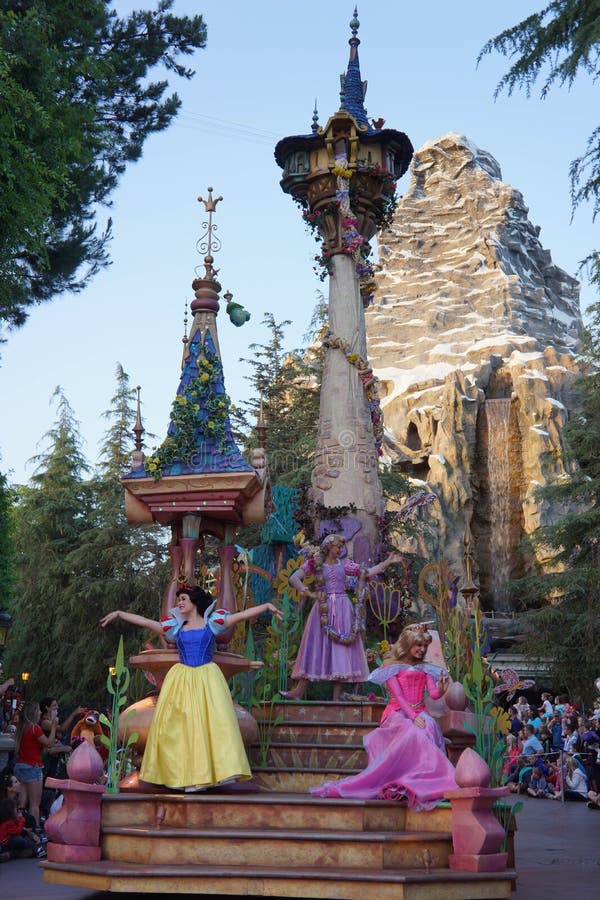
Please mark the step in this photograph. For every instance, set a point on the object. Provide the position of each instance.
(359, 884)
(328, 711)
(309, 757)
(290, 847)
(267, 810)
(301, 730)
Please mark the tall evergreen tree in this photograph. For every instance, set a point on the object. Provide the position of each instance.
(119, 566)
(76, 105)
(7, 573)
(287, 385)
(50, 516)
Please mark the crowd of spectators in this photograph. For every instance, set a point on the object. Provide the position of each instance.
(553, 750)
(34, 745)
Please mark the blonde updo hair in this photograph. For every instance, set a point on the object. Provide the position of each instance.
(412, 634)
(329, 541)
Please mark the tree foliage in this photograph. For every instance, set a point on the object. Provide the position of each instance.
(6, 544)
(287, 385)
(554, 46)
(78, 558)
(76, 105)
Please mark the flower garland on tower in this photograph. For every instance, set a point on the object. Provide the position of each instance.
(369, 382)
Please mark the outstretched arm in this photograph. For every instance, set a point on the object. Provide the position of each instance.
(382, 566)
(253, 613)
(133, 619)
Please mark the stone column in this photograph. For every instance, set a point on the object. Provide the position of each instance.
(346, 460)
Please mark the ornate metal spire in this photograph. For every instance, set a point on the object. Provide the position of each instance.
(208, 240)
(137, 457)
(353, 89)
(315, 119)
(184, 339)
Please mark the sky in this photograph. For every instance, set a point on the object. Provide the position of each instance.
(264, 65)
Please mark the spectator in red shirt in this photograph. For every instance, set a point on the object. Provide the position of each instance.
(29, 742)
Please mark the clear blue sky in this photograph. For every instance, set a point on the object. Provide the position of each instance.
(256, 81)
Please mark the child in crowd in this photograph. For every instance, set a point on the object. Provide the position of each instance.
(16, 840)
(538, 786)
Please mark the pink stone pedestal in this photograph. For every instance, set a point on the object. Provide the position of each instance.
(74, 831)
(477, 835)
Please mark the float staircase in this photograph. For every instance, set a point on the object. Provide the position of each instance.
(252, 840)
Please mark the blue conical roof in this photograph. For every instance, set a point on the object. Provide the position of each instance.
(353, 89)
(199, 438)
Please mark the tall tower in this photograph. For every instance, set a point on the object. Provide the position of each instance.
(197, 482)
(344, 175)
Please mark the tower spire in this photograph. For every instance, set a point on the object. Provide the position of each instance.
(353, 88)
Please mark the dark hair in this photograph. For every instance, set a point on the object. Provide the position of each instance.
(8, 809)
(198, 596)
(45, 704)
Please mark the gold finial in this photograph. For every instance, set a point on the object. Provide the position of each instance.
(184, 339)
(209, 242)
(137, 457)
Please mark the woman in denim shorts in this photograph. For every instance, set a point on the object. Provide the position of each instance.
(29, 743)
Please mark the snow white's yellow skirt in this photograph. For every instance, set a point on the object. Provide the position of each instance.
(194, 739)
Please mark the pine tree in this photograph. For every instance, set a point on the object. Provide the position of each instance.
(119, 566)
(50, 516)
(77, 103)
(287, 385)
(7, 573)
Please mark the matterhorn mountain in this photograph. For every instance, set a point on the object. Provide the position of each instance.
(473, 335)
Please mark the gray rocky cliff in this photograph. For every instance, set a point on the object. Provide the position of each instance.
(473, 335)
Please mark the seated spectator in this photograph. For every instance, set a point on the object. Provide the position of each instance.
(535, 720)
(55, 755)
(531, 745)
(545, 738)
(16, 840)
(511, 757)
(538, 786)
(515, 723)
(521, 777)
(575, 782)
(571, 739)
(556, 730)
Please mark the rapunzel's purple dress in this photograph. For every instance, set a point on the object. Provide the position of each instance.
(405, 761)
(321, 658)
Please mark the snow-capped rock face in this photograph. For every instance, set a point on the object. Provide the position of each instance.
(471, 309)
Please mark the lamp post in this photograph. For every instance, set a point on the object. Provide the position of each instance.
(24, 679)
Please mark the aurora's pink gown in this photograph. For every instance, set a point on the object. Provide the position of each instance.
(405, 761)
(319, 657)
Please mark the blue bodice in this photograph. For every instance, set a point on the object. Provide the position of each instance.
(196, 646)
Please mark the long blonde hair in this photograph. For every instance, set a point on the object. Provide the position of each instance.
(27, 719)
(412, 634)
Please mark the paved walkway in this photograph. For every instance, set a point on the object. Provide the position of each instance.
(557, 850)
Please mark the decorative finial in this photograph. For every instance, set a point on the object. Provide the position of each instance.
(208, 240)
(184, 339)
(355, 24)
(137, 457)
(342, 89)
(315, 119)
